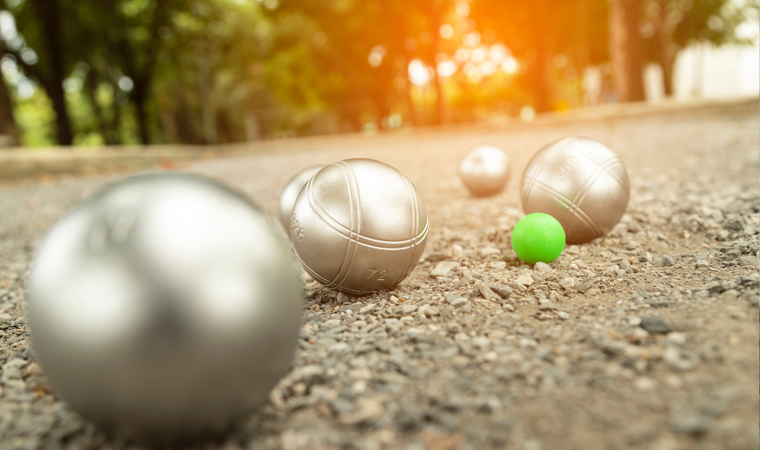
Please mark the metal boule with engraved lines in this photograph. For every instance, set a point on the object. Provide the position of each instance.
(359, 226)
(164, 306)
(581, 183)
(485, 170)
(290, 193)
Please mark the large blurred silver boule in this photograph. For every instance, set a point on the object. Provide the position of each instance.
(485, 171)
(290, 193)
(164, 306)
(359, 226)
(580, 182)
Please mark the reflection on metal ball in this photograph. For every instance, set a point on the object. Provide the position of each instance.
(359, 226)
(580, 182)
(290, 193)
(485, 171)
(164, 306)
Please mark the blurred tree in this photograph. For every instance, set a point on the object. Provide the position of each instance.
(220, 71)
(538, 31)
(627, 49)
(8, 125)
(669, 26)
(40, 23)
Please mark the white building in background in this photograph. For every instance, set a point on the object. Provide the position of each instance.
(705, 71)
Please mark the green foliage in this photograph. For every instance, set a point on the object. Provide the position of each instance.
(218, 71)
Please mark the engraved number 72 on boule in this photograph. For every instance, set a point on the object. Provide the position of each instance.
(381, 276)
(296, 226)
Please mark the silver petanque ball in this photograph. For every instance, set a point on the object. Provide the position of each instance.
(580, 182)
(359, 226)
(485, 170)
(164, 306)
(290, 193)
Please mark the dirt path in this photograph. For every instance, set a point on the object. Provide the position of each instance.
(558, 365)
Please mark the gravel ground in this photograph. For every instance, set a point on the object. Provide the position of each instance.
(646, 339)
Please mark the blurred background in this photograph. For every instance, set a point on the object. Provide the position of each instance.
(207, 72)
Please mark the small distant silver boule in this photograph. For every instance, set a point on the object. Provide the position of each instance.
(290, 193)
(485, 171)
(581, 183)
(164, 306)
(359, 226)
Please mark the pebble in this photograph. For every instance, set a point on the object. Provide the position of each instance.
(429, 311)
(567, 283)
(487, 293)
(369, 309)
(546, 305)
(408, 308)
(664, 261)
(461, 301)
(655, 325)
(524, 279)
(443, 268)
(541, 267)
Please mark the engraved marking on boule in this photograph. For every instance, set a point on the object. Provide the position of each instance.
(532, 179)
(415, 220)
(356, 217)
(583, 191)
(579, 148)
(555, 194)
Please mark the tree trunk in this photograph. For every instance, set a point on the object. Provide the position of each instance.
(206, 92)
(627, 49)
(139, 97)
(49, 14)
(664, 57)
(8, 125)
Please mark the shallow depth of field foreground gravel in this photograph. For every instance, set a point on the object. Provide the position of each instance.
(646, 339)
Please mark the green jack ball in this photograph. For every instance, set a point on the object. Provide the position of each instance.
(538, 237)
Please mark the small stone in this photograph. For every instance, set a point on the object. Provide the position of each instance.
(658, 304)
(443, 268)
(645, 384)
(461, 301)
(498, 265)
(369, 309)
(702, 263)
(487, 293)
(714, 288)
(408, 309)
(366, 409)
(680, 359)
(567, 283)
(563, 315)
(593, 292)
(524, 279)
(664, 261)
(541, 267)
(674, 338)
(645, 257)
(747, 261)
(5, 321)
(489, 251)
(546, 305)
(655, 325)
(429, 311)
(503, 291)
(342, 298)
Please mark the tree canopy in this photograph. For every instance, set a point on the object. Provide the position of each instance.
(107, 72)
